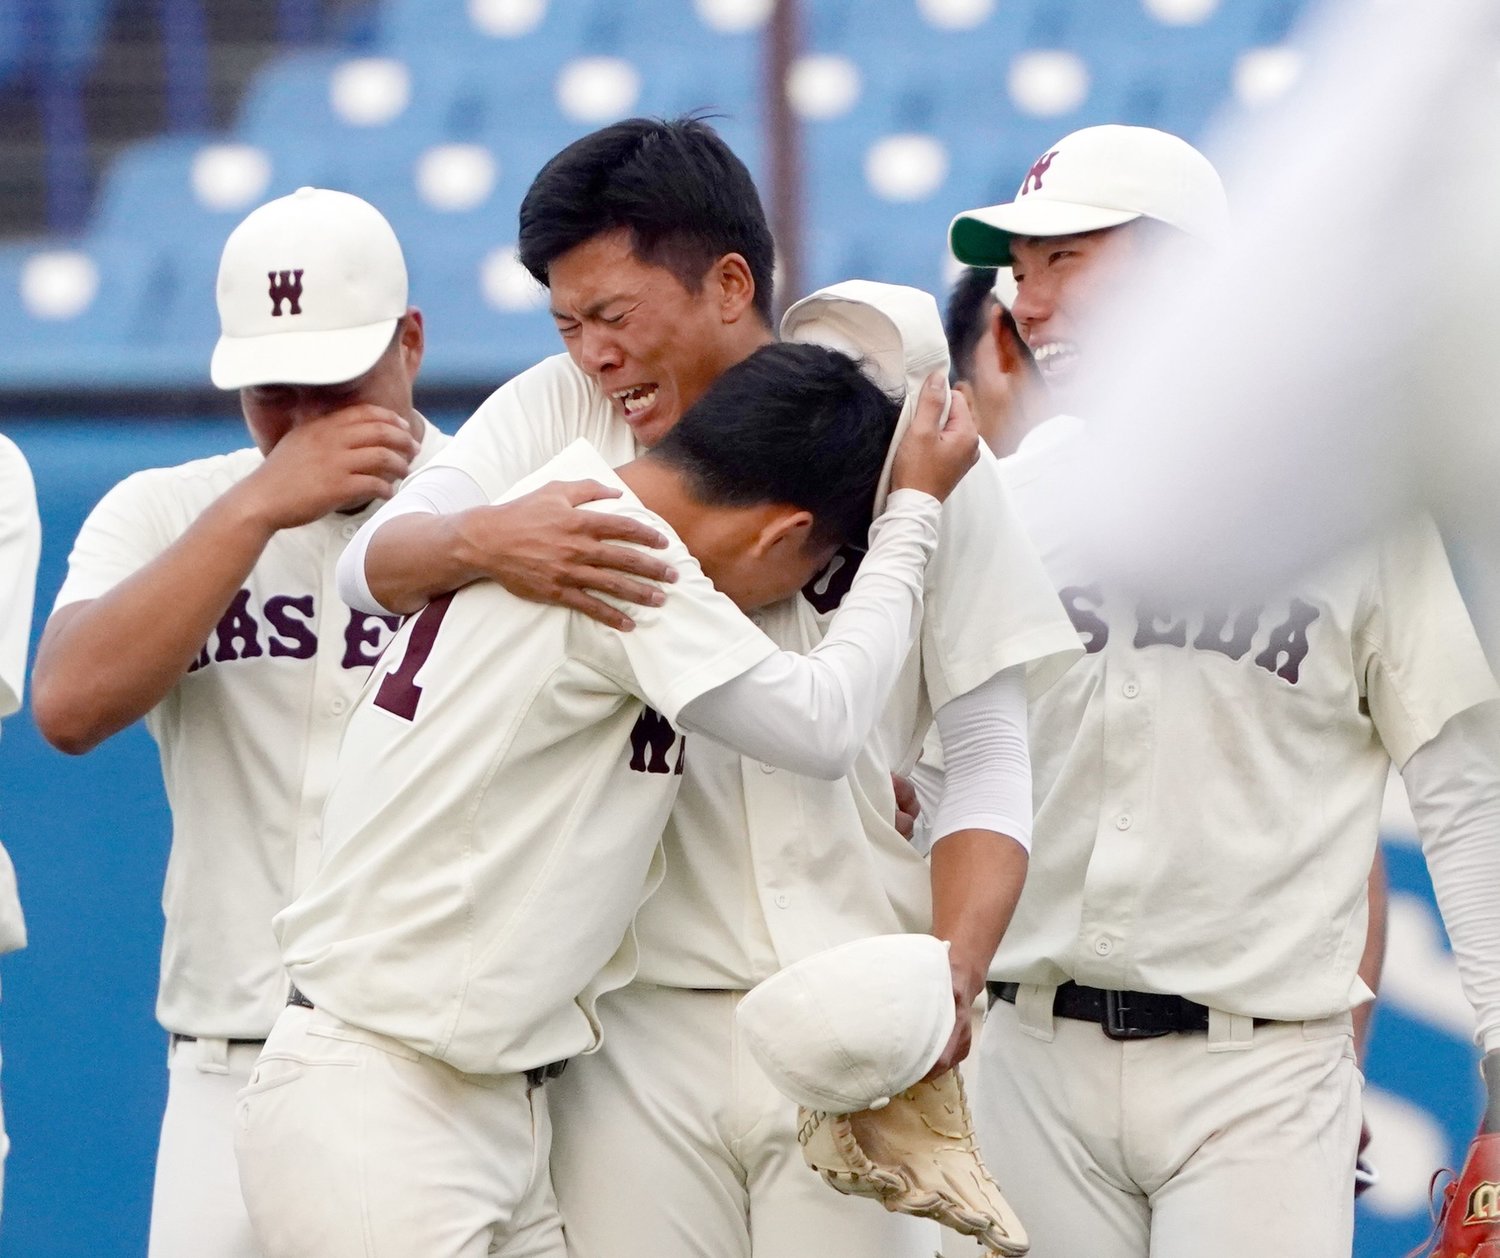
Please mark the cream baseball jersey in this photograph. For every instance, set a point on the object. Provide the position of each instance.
(247, 738)
(766, 866)
(1209, 779)
(501, 792)
(20, 547)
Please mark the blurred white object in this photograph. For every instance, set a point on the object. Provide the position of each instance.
(906, 167)
(1048, 83)
(823, 86)
(506, 19)
(1181, 12)
(1263, 75)
(370, 91)
(506, 284)
(955, 15)
(455, 177)
(733, 17)
(58, 284)
(597, 90)
(1335, 366)
(228, 177)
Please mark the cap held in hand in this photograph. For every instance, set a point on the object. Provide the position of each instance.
(310, 288)
(849, 1028)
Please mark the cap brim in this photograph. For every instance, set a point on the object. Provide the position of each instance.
(310, 357)
(982, 237)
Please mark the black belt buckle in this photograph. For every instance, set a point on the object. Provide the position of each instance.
(1116, 1020)
(539, 1075)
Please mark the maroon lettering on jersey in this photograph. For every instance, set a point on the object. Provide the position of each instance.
(294, 638)
(201, 662)
(826, 590)
(1212, 638)
(1083, 603)
(651, 738)
(238, 626)
(399, 692)
(286, 286)
(365, 630)
(1033, 180)
(1288, 646)
(1154, 626)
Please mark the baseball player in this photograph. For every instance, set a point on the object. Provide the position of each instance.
(201, 597)
(992, 367)
(20, 548)
(502, 790)
(1169, 1055)
(651, 239)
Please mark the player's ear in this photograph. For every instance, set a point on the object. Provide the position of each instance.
(735, 287)
(413, 341)
(1007, 349)
(784, 531)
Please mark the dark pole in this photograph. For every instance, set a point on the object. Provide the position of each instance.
(784, 148)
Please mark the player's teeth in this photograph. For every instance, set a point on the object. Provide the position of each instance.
(636, 402)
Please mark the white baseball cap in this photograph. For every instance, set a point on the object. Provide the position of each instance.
(1095, 178)
(849, 1028)
(895, 331)
(310, 288)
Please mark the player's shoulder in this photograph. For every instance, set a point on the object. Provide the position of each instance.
(15, 471)
(192, 484)
(554, 384)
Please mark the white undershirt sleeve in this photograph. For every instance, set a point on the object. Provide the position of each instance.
(1453, 782)
(813, 713)
(442, 490)
(987, 760)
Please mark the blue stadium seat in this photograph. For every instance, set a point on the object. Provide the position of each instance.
(470, 339)
(94, 315)
(451, 25)
(70, 32)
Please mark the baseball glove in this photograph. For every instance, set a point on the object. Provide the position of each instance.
(915, 1156)
(1468, 1221)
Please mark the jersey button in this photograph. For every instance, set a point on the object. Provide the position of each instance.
(337, 707)
(767, 768)
(1103, 947)
(1122, 822)
(349, 530)
(1130, 689)
(782, 900)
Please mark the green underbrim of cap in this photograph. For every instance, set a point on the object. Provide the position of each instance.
(978, 244)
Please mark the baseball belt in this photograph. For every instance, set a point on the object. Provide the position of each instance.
(535, 1077)
(1121, 1015)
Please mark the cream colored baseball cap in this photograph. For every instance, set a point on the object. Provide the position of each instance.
(1095, 178)
(310, 288)
(895, 331)
(849, 1028)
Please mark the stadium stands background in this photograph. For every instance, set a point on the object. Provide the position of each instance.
(135, 133)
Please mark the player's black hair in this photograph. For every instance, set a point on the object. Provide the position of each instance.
(964, 321)
(795, 424)
(684, 196)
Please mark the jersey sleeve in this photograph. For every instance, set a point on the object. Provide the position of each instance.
(20, 547)
(126, 531)
(990, 605)
(693, 643)
(1415, 648)
(527, 421)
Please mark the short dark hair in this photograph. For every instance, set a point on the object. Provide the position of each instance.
(796, 424)
(679, 190)
(966, 316)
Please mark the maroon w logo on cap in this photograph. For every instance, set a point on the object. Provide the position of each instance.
(286, 286)
(1033, 180)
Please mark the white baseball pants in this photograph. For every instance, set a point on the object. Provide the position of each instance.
(352, 1145)
(1241, 1140)
(670, 1142)
(196, 1208)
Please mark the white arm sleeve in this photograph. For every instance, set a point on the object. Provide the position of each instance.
(1453, 781)
(813, 713)
(986, 780)
(441, 490)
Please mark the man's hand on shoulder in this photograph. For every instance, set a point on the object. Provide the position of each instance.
(337, 462)
(542, 547)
